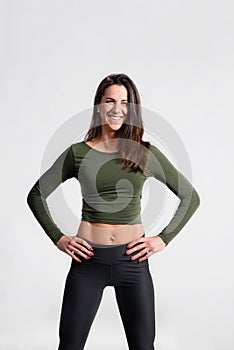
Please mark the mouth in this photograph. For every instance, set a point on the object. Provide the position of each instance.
(115, 119)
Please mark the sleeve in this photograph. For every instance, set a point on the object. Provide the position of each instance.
(62, 169)
(163, 170)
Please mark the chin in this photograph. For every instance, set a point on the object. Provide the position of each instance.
(114, 127)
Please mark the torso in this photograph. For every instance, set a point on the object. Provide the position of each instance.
(109, 234)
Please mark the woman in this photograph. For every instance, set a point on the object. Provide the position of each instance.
(110, 248)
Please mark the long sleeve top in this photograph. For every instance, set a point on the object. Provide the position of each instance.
(110, 194)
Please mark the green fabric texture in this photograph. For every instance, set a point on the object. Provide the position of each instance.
(110, 194)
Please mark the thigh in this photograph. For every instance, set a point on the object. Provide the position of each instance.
(82, 295)
(136, 303)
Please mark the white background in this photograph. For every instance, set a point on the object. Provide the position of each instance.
(180, 55)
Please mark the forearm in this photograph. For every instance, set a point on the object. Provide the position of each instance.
(62, 169)
(40, 210)
(187, 207)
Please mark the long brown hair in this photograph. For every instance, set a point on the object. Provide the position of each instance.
(132, 154)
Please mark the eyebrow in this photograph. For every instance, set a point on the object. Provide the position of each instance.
(110, 98)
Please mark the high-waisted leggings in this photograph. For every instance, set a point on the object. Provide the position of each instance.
(83, 291)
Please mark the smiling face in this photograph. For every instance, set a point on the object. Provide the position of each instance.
(113, 107)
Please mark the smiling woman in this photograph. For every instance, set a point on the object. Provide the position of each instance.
(112, 164)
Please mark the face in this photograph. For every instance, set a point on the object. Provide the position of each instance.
(113, 106)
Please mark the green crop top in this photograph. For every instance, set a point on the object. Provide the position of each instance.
(109, 194)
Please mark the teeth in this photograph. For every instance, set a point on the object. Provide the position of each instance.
(115, 118)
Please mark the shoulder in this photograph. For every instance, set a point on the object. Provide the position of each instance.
(77, 145)
(155, 152)
(159, 162)
(79, 149)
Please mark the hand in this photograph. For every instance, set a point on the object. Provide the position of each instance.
(151, 244)
(72, 245)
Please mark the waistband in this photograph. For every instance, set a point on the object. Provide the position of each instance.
(112, 255)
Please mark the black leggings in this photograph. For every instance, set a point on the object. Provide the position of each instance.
(83, 291)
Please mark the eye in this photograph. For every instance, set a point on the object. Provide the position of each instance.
(113, 102)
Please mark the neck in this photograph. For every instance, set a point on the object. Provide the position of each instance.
(108, 137)
(107, 134)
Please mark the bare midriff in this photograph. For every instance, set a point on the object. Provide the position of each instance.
(109, 234)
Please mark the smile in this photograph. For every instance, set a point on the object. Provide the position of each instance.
(115, 118)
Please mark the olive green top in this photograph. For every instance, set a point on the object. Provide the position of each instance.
(110, 194)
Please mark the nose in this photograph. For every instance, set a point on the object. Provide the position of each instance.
(117, 107)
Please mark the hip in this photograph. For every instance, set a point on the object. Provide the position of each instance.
(112, 255)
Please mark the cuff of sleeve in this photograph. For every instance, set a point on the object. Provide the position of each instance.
(164, 238)
(56, 236)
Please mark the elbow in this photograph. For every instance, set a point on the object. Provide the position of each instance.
(197, 198)
(29, 198)
(33, 194)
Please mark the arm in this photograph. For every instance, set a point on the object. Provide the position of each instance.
(163, 170)
(62, 169)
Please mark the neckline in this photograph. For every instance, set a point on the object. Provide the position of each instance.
(94, 149)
